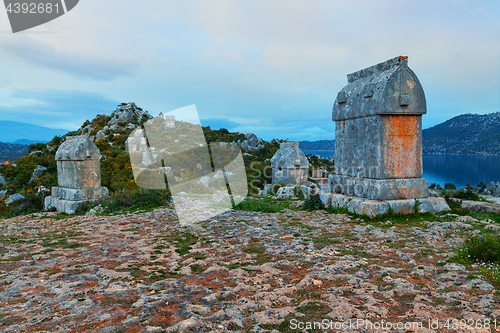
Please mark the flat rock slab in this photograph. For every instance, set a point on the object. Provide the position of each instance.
(402, 206)
(432, 205)
(479, 206)
(240, 271)
(371, 208)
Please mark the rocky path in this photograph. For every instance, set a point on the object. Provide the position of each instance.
(242, 271)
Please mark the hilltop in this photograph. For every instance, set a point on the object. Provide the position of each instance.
(109, 132)
(464, 134)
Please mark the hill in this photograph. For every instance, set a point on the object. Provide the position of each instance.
(12, 151)
(465, 134)
(16, 132)
(109, 134)
(317, 145)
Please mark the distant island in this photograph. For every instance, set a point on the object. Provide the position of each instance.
(467, 134)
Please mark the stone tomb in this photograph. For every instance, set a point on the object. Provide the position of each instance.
(289, 164)
(378, 141)
(378, 134)
(78, 175)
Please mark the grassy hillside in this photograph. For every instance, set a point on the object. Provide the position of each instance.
(116, 170)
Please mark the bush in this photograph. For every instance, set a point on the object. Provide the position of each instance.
(480, 248)
(450, 186)
(313, 203)
(467, 194)
(135, 200)
(259, 206)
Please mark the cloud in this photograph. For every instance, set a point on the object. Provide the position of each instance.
(66, 109)
(82, 66)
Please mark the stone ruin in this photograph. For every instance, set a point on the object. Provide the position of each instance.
(378, 133)
(289, 164)
(136, 142)
(78, 175)
(169, 121)
(378, 140)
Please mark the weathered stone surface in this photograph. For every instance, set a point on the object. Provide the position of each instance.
(251, 143)
(294, 191)
(2, 180)
(378, 189)
(432, 205)
(126, 113)
(402, 206)
(77, 148)
(37, 172)
(3, 193)
(66, 206)
(119, 273)
(479, 206)
(339, 200)
(379, 90)
(371, 208)
(494, 189)
(379, 147)
(290, 165)
(13, 198)
(433, 194)
(325, 195)
(80, 194)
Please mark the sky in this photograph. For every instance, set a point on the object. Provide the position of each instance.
(271, 67)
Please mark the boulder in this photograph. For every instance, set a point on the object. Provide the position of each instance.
(100, 135)
(125, 113)
(2, 180)
(432, 205)
(371, 208)
(479, 206)
(251, 143)
(493, 188)
(13, 198)
(37, 172)
(3, 193)
(291, 192)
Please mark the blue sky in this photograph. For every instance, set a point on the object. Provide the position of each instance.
(269, 67)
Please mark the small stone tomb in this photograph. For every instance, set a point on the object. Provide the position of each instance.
(78, 175)
(289, 164)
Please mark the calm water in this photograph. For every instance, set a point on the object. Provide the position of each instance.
(456, 169)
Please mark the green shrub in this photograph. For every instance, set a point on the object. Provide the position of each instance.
(259, 206)
(135, 199)
(450, 186)
(467, 194)
(480, 248)
(313, 203)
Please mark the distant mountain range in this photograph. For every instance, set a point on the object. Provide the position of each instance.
(464, 134)
(16, 132)
(317, 145)
(11, 151)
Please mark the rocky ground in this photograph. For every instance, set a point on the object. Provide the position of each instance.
(241, 271)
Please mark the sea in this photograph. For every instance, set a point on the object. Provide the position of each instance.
(456, 169)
